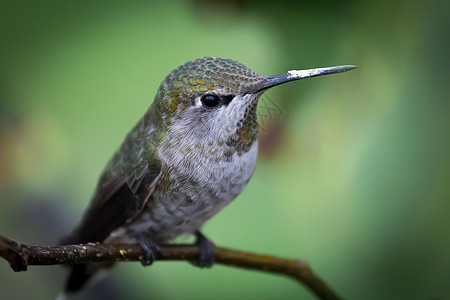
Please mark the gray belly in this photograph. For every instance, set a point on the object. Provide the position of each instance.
(188, 194)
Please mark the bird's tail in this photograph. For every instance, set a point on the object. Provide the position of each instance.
(78, 277)
(79, 274)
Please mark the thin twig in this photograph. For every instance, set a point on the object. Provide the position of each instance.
(20, 256)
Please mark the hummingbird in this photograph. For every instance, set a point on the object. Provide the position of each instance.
(190, 155)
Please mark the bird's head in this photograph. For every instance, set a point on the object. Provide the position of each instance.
(214, 100)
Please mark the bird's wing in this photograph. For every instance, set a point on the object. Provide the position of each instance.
(124, 188)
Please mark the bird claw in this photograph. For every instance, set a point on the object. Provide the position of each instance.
(151, 249)
(207, 257)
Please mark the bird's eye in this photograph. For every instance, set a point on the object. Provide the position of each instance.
(210, 101)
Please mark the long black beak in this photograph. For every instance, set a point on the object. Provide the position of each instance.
(300, 74)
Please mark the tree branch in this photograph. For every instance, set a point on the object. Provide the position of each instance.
(20, 256)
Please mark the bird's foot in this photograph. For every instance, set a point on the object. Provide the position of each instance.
(206, 259)
(151, 249)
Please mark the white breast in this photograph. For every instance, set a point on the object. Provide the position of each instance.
(193, 188)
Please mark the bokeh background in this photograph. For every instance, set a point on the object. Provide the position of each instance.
(354, 168)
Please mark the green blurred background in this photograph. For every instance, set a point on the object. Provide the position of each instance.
(352, 177)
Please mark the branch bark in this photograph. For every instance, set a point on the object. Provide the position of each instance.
(21, 256)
